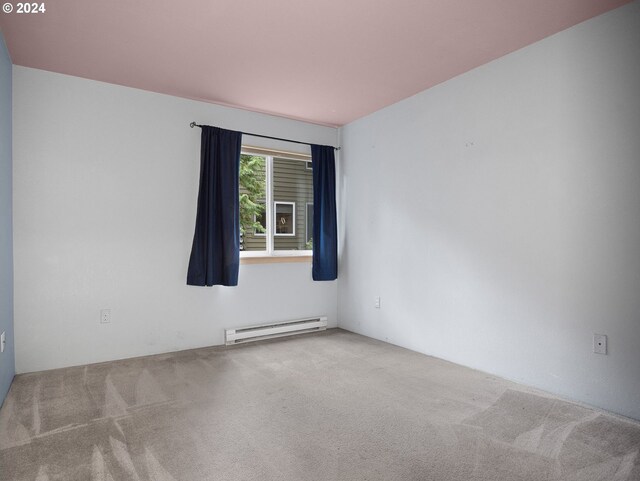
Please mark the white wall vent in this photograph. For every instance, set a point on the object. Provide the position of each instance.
(274, 329)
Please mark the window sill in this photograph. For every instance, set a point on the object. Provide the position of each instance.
(264, 259)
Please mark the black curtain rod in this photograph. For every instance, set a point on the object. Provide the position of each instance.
(193, 124)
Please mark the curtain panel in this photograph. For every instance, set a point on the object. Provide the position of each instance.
(325, 229)
(215, 253)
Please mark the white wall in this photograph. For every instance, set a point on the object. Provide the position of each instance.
(7, 358)
(105, 189)
(498, 216)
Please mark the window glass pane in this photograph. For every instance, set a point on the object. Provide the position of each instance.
(309, 231)
(261, 220)
(292, 191)
(252, 205)
(284, 220)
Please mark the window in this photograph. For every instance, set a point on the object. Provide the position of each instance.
(284, 220)
(276, 190)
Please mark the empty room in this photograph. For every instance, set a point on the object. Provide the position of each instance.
(334, 240)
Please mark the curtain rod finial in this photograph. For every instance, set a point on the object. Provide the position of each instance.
(192, 124)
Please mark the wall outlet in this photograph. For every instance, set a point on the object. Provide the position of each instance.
(377, 302)
(3, 341)
(105, 316)
(599, 343)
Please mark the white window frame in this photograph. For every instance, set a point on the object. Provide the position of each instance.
(293, 219)
(270, 213)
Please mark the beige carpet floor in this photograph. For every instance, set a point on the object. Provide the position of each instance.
(332, 406)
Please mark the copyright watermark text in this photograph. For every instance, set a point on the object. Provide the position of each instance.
(20, 7)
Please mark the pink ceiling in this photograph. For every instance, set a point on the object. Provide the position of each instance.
(324, 61)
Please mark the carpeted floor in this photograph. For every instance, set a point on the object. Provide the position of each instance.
(332, 406)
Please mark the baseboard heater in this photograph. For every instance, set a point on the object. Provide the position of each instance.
(274, 329)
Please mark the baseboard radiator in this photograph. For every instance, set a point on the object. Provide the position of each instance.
(274, 329)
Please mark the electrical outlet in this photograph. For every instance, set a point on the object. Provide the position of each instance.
(599, 343)
(377, 303)
(3, 341)
(105, 316)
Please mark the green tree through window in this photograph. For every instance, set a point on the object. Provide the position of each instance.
(252, 193)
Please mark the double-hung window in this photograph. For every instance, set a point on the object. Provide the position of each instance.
(276, 203)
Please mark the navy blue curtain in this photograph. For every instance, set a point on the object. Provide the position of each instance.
(215, 254)
(325, 228)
